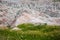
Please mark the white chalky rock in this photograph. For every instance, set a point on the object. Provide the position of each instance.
(16, 28)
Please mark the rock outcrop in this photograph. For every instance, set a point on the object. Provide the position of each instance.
(14, 12)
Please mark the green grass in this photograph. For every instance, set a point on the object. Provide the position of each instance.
(32, 32)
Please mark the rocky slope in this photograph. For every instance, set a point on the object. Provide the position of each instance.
(14, 12)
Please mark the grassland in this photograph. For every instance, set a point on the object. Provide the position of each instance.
(32, 32)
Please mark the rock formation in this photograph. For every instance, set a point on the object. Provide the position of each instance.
(14, 12)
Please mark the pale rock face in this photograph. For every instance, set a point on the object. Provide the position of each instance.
(23, 19)
(28, 18)
(38, 11)
(57, 20)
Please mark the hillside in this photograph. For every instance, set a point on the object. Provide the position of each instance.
(29, 19)
(36, 11)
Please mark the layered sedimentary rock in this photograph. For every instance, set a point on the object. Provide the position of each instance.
(14, 12)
